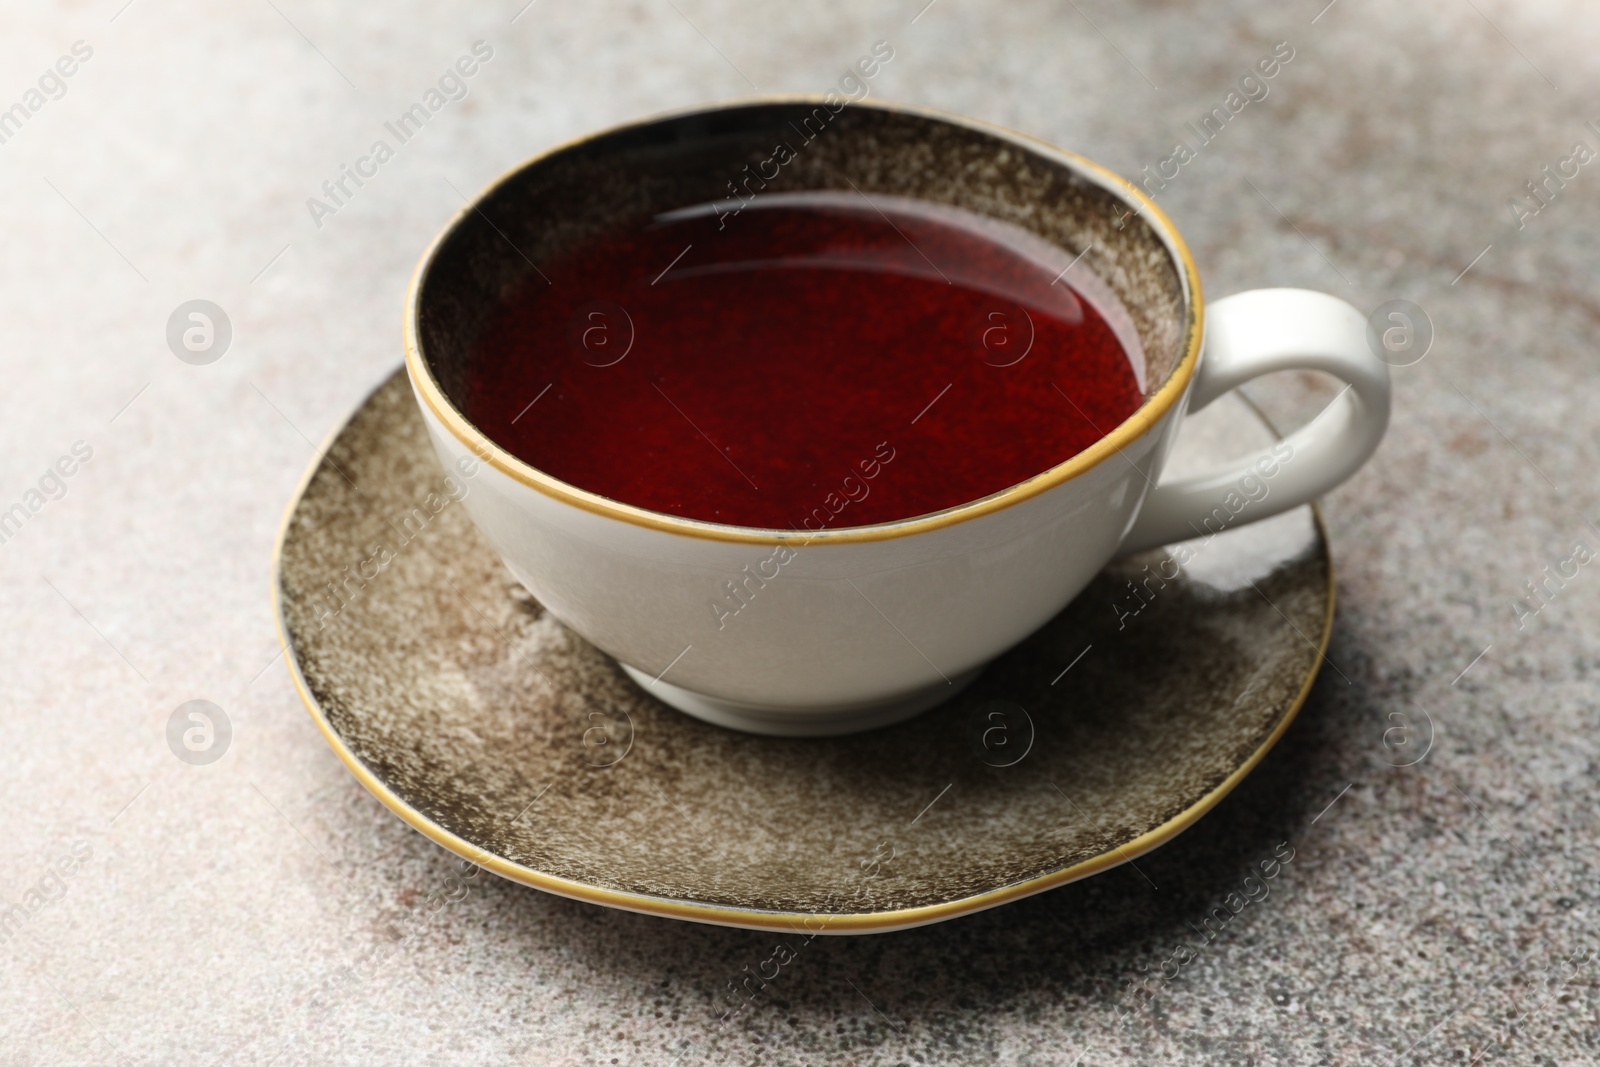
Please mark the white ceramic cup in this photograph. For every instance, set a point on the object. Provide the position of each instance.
(855, 627)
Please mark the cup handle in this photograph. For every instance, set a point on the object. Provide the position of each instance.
(1256, 333)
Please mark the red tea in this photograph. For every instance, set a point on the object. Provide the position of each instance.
(817, 360)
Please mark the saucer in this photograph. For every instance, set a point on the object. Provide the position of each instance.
(497, 732)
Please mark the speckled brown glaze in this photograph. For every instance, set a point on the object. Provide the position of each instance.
(638, 171)
(467, 709)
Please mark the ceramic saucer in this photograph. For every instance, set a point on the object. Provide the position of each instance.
(493, 729)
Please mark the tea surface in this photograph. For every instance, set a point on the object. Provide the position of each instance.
(818, 360)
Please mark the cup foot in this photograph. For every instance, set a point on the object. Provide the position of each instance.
(801, 722)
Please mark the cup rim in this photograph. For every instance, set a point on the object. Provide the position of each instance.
(1152, 411)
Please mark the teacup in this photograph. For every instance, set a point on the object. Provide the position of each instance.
(856, 627)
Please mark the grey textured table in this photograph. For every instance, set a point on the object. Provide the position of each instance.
(264, 909)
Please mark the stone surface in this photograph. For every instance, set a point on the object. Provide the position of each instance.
(264, 909)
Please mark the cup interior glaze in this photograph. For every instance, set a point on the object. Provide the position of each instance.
(628, 175)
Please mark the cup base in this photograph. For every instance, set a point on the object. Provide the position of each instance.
(800, 722)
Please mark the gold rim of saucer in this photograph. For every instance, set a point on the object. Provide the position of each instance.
(1149, 413)
(856, 922)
